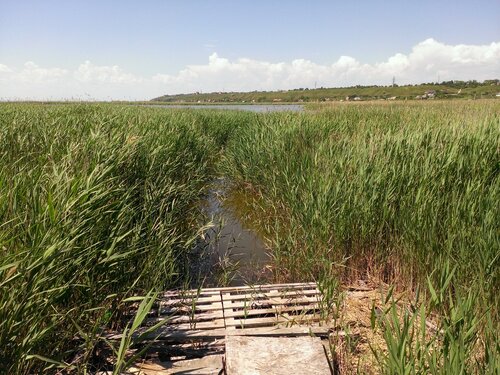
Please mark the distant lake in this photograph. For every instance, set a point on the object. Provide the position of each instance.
(239, 107)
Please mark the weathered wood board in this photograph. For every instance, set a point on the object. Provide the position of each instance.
(208, 365)
(246, 355)
(272, 326)
(214, 313)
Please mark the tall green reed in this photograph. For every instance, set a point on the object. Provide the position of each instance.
(97, 203)
(396, 192)
(101, 202)
(382, 184)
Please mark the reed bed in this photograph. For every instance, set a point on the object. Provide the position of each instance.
(393, 192)
(97, 203)
(102, 202)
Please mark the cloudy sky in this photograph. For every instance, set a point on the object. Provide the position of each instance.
(142, 49)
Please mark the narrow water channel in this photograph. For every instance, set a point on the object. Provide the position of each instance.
(237, 254)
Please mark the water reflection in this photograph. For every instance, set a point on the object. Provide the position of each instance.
(236, 254)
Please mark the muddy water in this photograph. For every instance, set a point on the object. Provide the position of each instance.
(238, 256)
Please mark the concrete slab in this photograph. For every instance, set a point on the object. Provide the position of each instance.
(246, 355)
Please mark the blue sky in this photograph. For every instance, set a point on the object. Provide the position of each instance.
(156, 41)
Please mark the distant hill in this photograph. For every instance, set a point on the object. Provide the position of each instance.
(449, 89)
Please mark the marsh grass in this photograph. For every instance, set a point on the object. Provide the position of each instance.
(379, 185)
(462, 341)
(396, 192)
(97, 203)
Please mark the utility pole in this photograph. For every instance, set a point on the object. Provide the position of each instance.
(393, 81)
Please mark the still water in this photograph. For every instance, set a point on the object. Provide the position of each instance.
(261, 108)
(237, 253)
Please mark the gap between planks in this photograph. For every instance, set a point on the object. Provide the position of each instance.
(273, 309)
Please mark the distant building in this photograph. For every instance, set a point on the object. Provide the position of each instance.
(430, 94)
(352, 97)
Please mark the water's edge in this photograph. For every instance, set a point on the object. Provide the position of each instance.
(260, 108)
(230, 254)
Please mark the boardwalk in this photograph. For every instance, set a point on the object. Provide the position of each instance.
(198, 323)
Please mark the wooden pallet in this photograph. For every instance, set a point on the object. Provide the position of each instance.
(260, 310)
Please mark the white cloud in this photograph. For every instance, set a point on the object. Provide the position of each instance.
(423, 63)
(32, 73)
(88, 72)
(5, 69)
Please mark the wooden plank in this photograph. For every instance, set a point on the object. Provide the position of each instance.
(181, 336)
(214, 313)
(168, 334)
(259, 295)
(273, 292)
(207, 365)
(187, 309)
(290, 295)
(273, 302)
(300, 316)
(185, 318)
(189, 301)
(226, 319)
(283, 356)
(214, 324)
(185, 350)
(188, 293)
(263, 286)
(229, 313)
(270, 321)
(264, 294)
(200, 297)
(215, 300)
(212, 291)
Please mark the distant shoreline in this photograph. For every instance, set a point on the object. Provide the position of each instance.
(488, 89)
